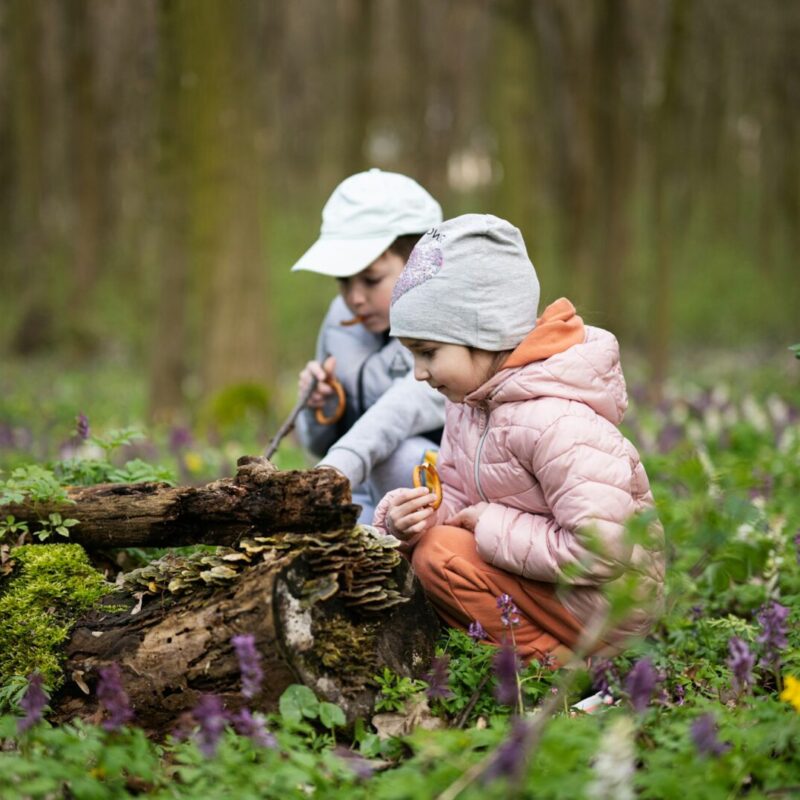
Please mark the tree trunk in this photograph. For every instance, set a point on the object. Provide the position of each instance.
(169, 350)
(227, 189)
(326, 611)
(87, 169)
(667, 154)
(260, 499)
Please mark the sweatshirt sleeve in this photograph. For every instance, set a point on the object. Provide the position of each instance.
(586, 477)
(408, 408)
(314, 437)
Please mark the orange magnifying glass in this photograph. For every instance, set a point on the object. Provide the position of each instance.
(427, 476)
(341, 403)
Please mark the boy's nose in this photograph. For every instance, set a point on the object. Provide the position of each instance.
(354, 298)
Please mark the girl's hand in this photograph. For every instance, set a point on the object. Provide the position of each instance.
(322, 373)
(410, 513)
(467, 517)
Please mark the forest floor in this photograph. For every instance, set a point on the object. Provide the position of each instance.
(706, 706)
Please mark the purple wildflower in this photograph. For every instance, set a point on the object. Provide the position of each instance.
(506, 668)
(6, 435)
(604, 676)
(680, 694)
(669, 437)
(211, 717)
(476, 631)
(33, 702)
(640, 684)
(772, 619)
(360, 766)
(253, 727)
(696, 613)
(179, 437)
(511, 756)
(509, 613)
(741, 663)
(82, 426)
(113, 697)
(438, 679)
(249, 664)
(704, 736)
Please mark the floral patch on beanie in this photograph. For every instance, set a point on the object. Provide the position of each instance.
(425, 261)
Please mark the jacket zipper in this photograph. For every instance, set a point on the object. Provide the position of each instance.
(478, 456)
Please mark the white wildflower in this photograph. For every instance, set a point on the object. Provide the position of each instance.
(778, 410)
(614, 764)
(755, 414)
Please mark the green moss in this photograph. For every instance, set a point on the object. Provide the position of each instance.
(52, 585)
(346, 648)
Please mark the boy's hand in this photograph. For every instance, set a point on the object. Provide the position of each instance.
(411, 512)
(467, 517)
(322, 373)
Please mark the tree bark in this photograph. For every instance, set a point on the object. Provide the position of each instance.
(260, 499)
(329, 612)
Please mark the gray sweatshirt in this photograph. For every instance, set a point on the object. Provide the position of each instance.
(385, 404)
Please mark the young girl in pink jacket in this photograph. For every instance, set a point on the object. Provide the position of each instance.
(538, 482)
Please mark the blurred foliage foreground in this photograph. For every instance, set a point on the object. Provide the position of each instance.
(708, 706)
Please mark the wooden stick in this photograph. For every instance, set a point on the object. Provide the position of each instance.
(289, 422)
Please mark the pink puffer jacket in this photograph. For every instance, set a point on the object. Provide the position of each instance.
(540, 443)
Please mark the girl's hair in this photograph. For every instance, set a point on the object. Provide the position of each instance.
(498, 361)
(403, 245)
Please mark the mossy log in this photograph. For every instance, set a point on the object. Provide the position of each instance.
(259, 498)
(326, 610)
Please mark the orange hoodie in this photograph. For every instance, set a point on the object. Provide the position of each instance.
(557, 329)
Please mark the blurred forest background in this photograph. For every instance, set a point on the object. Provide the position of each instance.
(164, 162)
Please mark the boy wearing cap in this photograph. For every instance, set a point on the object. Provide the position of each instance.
(370, 224)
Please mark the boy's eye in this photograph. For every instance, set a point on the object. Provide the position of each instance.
(372, 281)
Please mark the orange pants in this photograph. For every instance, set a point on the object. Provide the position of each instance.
(464, 588)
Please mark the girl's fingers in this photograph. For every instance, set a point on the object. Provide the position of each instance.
(418, 528)
(417, 498)
(419, 516)
(408, 521)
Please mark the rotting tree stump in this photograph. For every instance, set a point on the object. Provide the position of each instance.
(328, 602)
(314, 621)
(260, 498)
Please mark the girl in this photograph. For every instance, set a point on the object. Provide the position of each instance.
(370, 224)
(537, 480)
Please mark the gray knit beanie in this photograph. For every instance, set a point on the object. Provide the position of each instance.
(468, 281)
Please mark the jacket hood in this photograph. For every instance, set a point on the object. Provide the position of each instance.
(558, 328)
(561, 358)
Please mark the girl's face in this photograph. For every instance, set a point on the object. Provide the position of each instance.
(452, 369)
(369, 293)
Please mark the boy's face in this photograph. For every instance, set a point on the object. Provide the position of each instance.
(369, 293)
(452, 369)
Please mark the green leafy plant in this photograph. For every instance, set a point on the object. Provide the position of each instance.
(299, 705)
(396, 690)
(54, 524)
(12, 527)
(32, 483)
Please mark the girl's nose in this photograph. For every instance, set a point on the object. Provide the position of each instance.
(420, 372)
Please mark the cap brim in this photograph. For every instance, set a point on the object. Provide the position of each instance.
(341, 258)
